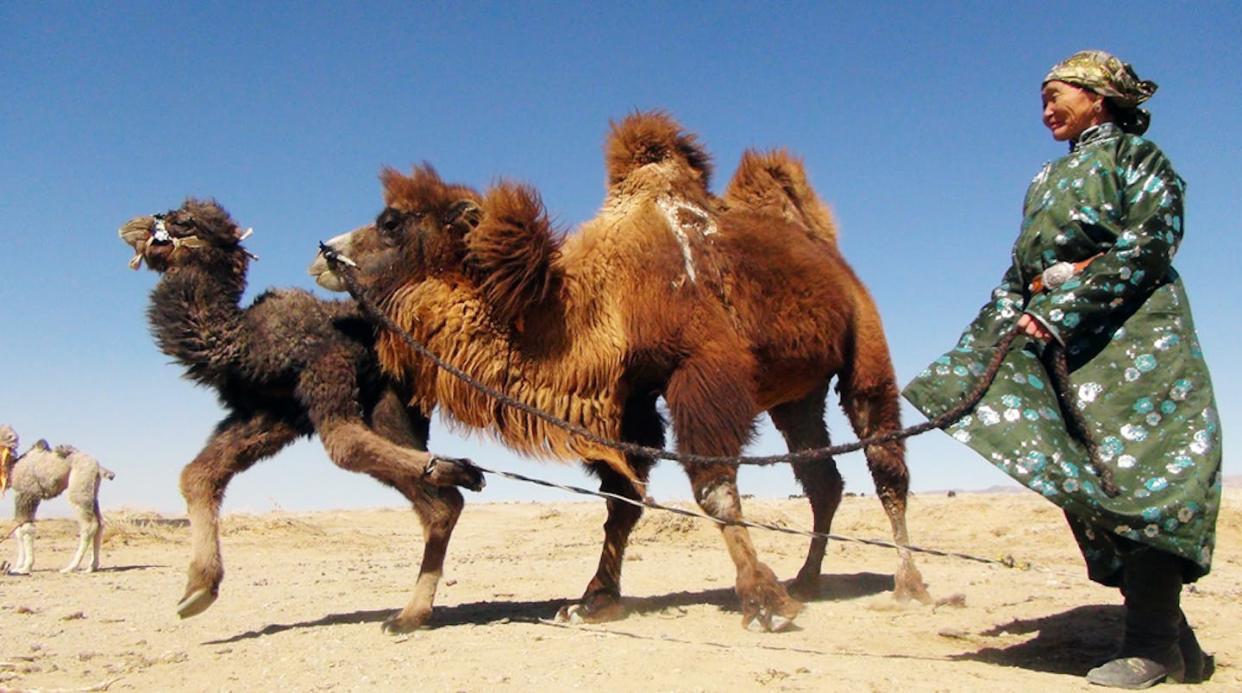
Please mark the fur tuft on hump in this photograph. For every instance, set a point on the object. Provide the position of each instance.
(511, 253)
(422, 191)
(775, 182)
(653, 137)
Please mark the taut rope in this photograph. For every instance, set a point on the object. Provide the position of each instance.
(346, 270)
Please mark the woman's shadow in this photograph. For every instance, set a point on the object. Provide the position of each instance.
(1070, 642)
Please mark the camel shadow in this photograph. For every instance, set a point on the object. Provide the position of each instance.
(128, 568)
(836, 587)
(1070, 642)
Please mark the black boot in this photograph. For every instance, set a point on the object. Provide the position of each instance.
(1150, 651)
(1199, 665)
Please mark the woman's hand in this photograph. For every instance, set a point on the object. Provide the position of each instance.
(1034, 328)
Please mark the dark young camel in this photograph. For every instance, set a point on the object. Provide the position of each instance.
(726, 308)
(287, 366)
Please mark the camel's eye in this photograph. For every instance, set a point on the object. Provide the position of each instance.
(389, 221)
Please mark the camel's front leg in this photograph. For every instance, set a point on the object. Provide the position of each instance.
(23, 563)
(601, 601)
(438, 510)
(437, 507)
(327, 389)
(237, 443)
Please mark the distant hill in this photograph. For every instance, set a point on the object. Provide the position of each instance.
(1234, 481)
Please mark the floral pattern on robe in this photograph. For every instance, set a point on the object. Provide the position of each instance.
(1137, 372)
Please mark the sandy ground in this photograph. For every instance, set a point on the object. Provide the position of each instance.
(305, 593)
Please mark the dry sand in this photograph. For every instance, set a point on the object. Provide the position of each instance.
(305, 593)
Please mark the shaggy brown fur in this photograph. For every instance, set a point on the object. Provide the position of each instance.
(726, 308)
(289, 365)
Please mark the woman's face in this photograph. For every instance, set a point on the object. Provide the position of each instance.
(1068, 110)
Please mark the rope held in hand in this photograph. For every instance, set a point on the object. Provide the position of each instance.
(345, 269)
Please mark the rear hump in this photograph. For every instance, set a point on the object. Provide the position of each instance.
(775, 182)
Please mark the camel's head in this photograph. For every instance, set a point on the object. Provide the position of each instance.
(8, 456)
(421, 232)
(199, 233)
(653, 138)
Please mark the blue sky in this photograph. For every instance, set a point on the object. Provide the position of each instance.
(918, 122)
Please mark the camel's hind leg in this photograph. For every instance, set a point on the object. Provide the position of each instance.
(84, 497)
(872, 411)
(237, 443)
(713, 414)
(437, 508)
(802, 425)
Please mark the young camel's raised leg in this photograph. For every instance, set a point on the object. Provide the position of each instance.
(713, 414)
(802, 425)
(437, 508)
(602, 599)
(328, 390)
(237, 443)
(871, 404)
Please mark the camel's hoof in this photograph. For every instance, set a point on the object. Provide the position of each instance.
(769, 623)
(398, 624)
(17, 571)
(805, 590)
(577, 614)
(196, 602)
(454, 471)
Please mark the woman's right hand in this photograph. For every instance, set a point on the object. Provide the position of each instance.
(1034, 328)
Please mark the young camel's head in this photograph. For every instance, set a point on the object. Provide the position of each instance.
(500, 244)
(199, 233)
(8, 456)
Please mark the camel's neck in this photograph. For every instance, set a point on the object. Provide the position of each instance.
(195, 317)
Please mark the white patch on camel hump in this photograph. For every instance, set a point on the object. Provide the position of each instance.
(684, 217)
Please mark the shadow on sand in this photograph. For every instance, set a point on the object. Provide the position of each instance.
(1070, 642)
(832, 587)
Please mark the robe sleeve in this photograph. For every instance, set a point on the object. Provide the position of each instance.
(1147, 236)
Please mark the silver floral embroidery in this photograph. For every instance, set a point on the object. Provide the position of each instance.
(1087, 391)
(987, 415)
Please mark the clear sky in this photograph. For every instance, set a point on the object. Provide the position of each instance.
(918, 122)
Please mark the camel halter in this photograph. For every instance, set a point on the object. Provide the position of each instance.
(159, 235)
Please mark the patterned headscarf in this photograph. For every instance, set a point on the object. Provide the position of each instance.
(1104, 74)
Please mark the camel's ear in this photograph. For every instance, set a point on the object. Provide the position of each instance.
(466, 212)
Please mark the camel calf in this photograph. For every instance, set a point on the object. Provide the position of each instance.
(42, 473)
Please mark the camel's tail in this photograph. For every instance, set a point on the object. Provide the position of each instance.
(775, 182)
(653, 137)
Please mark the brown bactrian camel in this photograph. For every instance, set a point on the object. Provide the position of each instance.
(288, 365)
(726, 308)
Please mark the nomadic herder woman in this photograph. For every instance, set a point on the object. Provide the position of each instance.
(1091, 272)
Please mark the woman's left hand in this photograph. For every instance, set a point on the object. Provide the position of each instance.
(1034, 328)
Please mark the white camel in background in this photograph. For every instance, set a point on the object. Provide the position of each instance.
(42, 473)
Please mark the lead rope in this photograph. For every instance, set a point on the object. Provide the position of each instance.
(345, 269)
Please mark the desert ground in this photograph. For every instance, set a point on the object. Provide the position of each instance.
(305, 593)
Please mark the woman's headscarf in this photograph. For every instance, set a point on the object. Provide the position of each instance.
(1104, 74)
